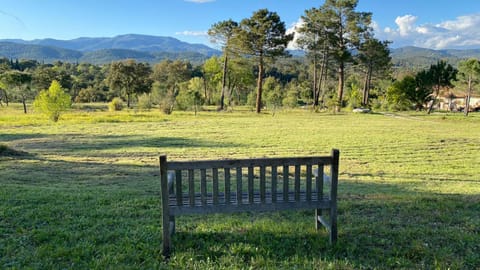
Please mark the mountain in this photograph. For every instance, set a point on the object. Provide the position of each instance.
(41, 53)
(103, 50)
(419, 58)
(130, 42)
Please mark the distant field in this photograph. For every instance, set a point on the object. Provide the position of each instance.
(83, 193)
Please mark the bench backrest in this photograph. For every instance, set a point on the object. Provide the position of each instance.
(248, 184)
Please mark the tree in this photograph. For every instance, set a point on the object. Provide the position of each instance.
(262, 36)
(402, 93)
(53, 102)
(441, 75)
(130, 78)
(168, 75)
(212, 75)
(313, 39)
(422, 93)
(273, 93)
(190, 96)
(20, 85)
(374, 56)
(469, 71)
(222, 33)
(344, 30)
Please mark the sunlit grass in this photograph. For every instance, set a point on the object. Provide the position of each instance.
(84, 192)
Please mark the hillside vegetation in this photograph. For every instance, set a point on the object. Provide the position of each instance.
(153, 49)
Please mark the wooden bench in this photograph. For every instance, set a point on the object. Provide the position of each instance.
(251, 185)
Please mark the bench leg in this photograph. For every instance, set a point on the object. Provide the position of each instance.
(318, 224)
(333, 224)
(167, 241)
(330, 224)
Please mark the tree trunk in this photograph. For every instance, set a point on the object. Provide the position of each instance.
(341, 82)
(366, 86)
(315, 83)
(259, 85)
(430, 108)
(205, 90)
(24, 105)
(467, 98)
(224, 82)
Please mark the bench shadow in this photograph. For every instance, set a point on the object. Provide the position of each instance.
(246, 244)
(379, 229)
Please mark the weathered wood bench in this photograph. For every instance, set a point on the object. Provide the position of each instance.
(251, 185)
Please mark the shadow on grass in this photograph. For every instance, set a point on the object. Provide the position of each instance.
(381, 225)
(393, 228)
(86, 143)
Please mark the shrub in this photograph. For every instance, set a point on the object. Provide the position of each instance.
(116, 105)
(144, 102)
(53, 102)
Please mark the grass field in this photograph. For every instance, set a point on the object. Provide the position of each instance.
(83, 193)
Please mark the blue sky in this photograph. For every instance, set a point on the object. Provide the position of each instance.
(436, 24)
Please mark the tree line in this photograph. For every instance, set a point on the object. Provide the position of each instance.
(344, 66)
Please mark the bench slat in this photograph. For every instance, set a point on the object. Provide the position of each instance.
(244, 199)
(297, 183)
(215, 185)
(256, 207)
(309, 183)
(191, 187)
(250, 184)
(235, 163)
(227, 185)
(262, 184)
(203, 185)
(274, 183)
(239, 184)
(178, 191)
(285, 183)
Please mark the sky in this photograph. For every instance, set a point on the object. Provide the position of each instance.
(435, 24)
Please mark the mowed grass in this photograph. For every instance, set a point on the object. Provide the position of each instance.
(84, 193)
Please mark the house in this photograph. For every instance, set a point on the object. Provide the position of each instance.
(453, 102)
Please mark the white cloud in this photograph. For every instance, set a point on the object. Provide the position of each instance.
(406, 24)
(292, 45)
(460, 33)
(192, 33)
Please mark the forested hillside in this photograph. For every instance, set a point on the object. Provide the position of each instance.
(142, 48)
(152, 49)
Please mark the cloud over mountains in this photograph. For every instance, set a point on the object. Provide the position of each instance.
(461, 33)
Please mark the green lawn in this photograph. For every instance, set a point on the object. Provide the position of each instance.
(83, 193)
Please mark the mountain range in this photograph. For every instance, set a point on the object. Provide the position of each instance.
(153, 49)
(104, 50)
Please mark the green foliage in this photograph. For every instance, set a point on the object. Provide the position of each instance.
(90, 94)
(291, 96)
(273, 93)
(130, 78)
(469, 73)
(53, 102)
(397, 97)
(440, 76)
(144, 102)
(262, 36)
(337, 28)
(355, 97)
(190, 98)
(116, 105)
